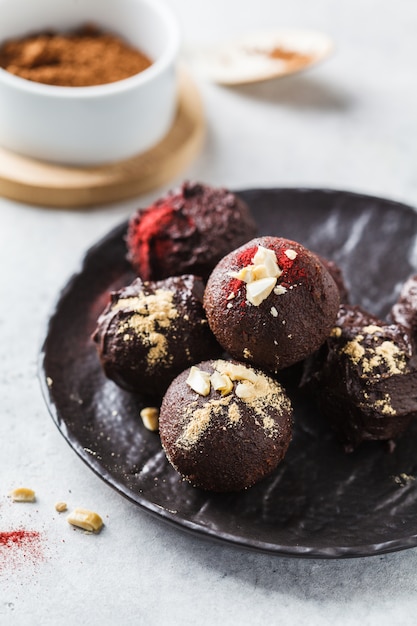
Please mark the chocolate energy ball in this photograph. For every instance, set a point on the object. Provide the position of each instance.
(337, 275)
(187, 232)
(225, 426)
(364, 378)
(404, 311)
(271, 302)
(152, 331)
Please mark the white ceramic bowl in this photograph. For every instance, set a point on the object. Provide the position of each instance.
(99, 124)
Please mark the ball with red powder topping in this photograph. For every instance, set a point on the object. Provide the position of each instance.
(187, 232)
(271, 302)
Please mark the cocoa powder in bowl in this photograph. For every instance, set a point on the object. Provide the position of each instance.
(82, 58)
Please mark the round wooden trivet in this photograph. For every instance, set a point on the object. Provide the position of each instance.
(47, 184)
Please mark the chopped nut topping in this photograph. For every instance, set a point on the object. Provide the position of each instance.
(235, 372)
(274, 312)
(61, 507)
(291, 254)
(199, 381)
(256, 390)
(244, 390)
(22, 494)
(259, 290)
(221, 382)
(150, 418)
(88, 520)
(260, 277)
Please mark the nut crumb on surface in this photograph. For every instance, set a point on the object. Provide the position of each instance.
(150, 417)
(22, 494)
(85, 519)
(404, 479)
(61, 507)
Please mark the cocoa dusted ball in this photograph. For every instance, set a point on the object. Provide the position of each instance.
(404, 311)
(187, 232)
(364, 378)
(224, 425)
(152, 331)
(337, 275)
(271, 303)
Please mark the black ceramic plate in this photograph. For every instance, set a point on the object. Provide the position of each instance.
(320, 502)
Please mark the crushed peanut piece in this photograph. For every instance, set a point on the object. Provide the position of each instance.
(22, 494)
(61, 507)
(199, 381)
(279, 290)
(150, 417)
(260, 277)
(88, 520)
(221, 382)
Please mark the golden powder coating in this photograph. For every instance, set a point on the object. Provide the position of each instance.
(354, 350)
(259, 392)
(384, 405)
(390, 355)
(268, 423)
(387, 355)
(233, 413)
(150, 314)
(199, 420)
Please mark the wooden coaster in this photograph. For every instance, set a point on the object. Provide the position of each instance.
(47, 184)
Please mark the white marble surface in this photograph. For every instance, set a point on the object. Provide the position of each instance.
(349, 123)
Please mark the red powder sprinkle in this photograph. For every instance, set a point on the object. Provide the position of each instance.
(153, 236)
(246, 256)
(292, 273)
(20, 546)
(233, 287)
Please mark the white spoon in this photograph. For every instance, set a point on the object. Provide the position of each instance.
(262, 56)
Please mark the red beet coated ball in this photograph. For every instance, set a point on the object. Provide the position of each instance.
(187, 232)
(271, 302)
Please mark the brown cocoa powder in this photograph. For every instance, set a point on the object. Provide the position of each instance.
(82, 58)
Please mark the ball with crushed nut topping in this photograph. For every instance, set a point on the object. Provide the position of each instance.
(404, 311)
(364, 378)
(152, 331)
(225, 425)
